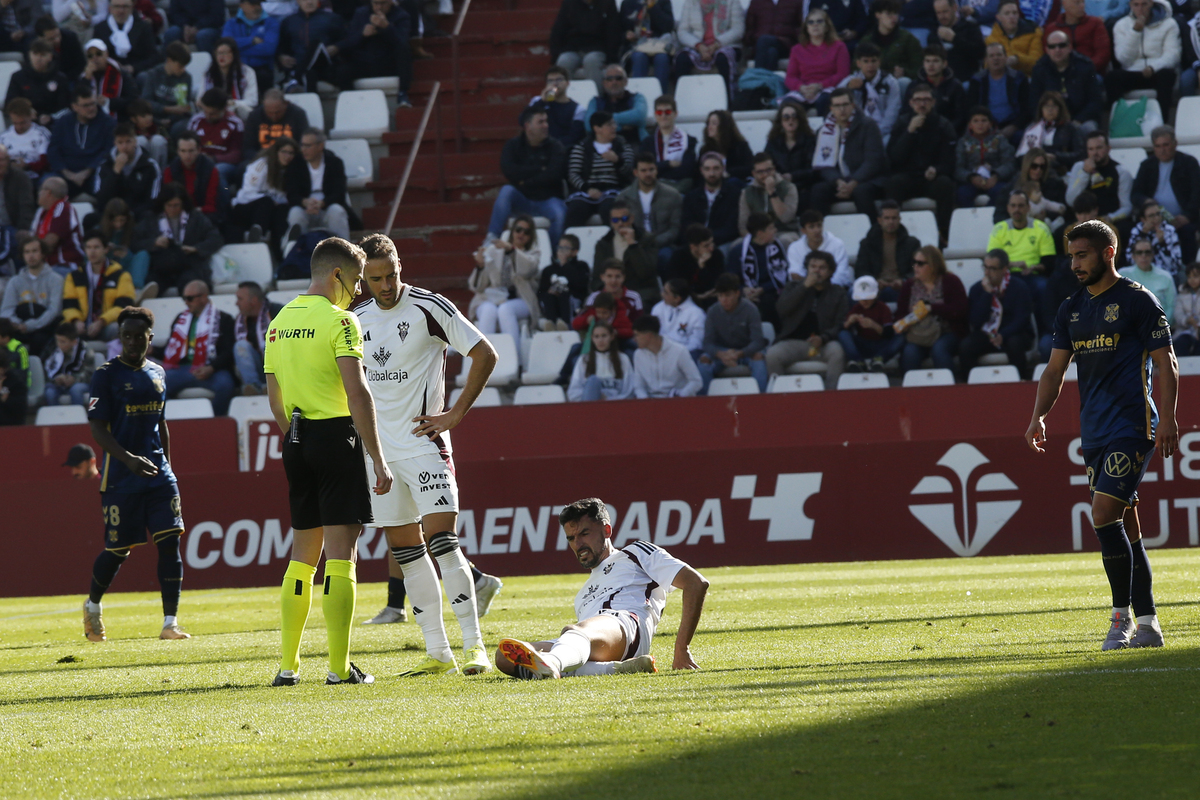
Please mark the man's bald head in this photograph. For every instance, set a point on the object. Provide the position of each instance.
(195, 294)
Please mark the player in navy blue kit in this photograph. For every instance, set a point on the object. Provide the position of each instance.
(137, 487)
(1114, 328)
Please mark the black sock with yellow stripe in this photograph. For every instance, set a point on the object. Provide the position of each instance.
(103, 572)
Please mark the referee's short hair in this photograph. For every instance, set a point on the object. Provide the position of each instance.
(1098, 233)
(379, 245)
(336, 253)
(589, 507)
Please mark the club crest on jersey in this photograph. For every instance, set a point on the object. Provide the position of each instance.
(159, 386)
(381, 356)
(608, 568)
(1111, 312)
(402, 328)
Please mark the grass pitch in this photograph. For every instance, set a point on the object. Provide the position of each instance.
(949, 678)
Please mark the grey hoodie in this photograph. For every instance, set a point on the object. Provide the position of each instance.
(41, 296)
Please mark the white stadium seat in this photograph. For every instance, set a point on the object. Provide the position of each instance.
(851, 229)
(1188, 365)
(969, 232)
(928, 377)
(862, 380)
(787, 384)
(37, 381)
(507, 365)
(194, 408)
(1072, 372)
(199, 65)
(1130, 158)
(356, 153)
(539, 395)
(1005, 373)
(721, 387)
(252, 415)
(361, 115)
(245, 262)
(648, 88)
(388, 84)
(61, 415)
(698, 95)
(311, 103)
(490, 396)
(547, 353)
(1150, 121)
(769, 332)
(1187, 120)
(83, 209)
(165, 309)
(582, 92)
(588, 236)
(922, 225)
(968, 270)
(755, 132)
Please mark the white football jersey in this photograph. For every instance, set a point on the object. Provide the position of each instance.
(635, 578)
(404, 355)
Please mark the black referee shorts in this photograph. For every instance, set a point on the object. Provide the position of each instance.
(327, 475)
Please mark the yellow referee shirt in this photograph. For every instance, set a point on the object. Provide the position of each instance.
(1029, 244)
(305, 340)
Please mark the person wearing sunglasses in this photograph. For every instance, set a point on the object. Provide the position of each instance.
(938, 302)
(199, 353)
(674, 149)
(1087, 35)
(790, 145)
(1046, 192)
(818, 62)
(1142, 251)
(1073, 76)
(505, 281)
(633, 246)
(628, 108)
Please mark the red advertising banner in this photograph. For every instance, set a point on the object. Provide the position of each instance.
(842, 476)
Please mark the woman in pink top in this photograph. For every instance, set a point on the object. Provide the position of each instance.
(817, 63)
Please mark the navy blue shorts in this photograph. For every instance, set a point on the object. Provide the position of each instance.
(129, 516)
(1117, 469)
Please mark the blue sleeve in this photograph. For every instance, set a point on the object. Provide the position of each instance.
(100, 404)
(1062, 337)
(1150, 321)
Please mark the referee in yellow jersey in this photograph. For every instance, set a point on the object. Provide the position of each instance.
(319, 396)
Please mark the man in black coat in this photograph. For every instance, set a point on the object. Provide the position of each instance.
(714, 203)
(45, 87)
(1181, 194)
(1073, 76)
(886, 252)
(587, 34)
(376, 45)
(129, 173)
(312, 206)
(137, 50)
(960, 36)
(534, 164)
(922, 153)
(68, 50)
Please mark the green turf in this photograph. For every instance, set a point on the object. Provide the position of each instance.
(925, 679)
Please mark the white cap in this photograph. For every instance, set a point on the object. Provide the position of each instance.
(865, 288)
(97, 44)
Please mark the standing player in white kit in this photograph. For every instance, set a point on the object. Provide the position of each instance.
(406, 332)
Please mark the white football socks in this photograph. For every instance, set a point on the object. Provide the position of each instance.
(421, 583)
(596, 668)
(93, 607)
(1148, 620)
(168, 621)
(460, 589)
(572, 650)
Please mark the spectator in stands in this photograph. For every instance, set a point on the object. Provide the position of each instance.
(79, 141)
(46, 88)
(679, 318)
(950, 99)
(848, 17)
(17, 23)
(9, 343)
(899, 50)
(563, 285)
(714, 203)
(811, 312)
(586, 35)
(598, 168)
(1185, 327)
(673, 149)
(1028, 243)
(1086, 35)
(150, 135)
(116, 223)
(1147, 50)
(657, 208)
(817, 63)
(1046, 192)
(1002, 90)
(938, 302)
(1054, 132)
(113, 87)
(1189, 61)
(983, 160)
(534, 165)
(876, 93)
(922, 154)
(181, 243)
(960, 36)
(300, 36)
(1144, 271)
(196, 173)
(771, 194)
(1103, 177)
(128, 173)
(33, 298)
(721, 136)
(771, 27)
(220, 133)
(627, 108)
(1073, 77)
(68, 51)
(168, 87)
(1173, 179)
(129, 39)
(732, 335)
(999, 316)
(316, 188)
(790, 144)
(604, 372)
(628, 303)
(650, 31)
(250, 331)
(634, 247)
(1162, 237)
(849, 156)
(564, 115)
(505, 281)
(228, 74)
(886, 252)
(377, 45)
(814, 237)
(57, 225)
(866, 334)
(25, 147)
(1020, 38)
(257, 37)
(263, 196)
(68, 367)
(197, 22)
(14, 392)
(95, 293)
(697, 263)
(16, 203)
(710, 32)
(760, 264)
(276, 117)
(662, 367)
(199, 353)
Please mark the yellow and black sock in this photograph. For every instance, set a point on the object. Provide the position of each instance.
(295, 598)
(338, 604)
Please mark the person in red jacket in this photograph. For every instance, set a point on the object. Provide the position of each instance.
(1088, 35)
(771, 30)
(627, 305)
(220, 132)
(196, 172)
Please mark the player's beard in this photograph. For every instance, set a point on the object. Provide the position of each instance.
(588, 559)
(1092, 276)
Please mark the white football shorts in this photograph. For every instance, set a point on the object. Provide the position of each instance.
(423, 485)
(639, 631)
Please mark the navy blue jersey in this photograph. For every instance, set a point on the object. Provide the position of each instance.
(131, 401)
(1112, 335)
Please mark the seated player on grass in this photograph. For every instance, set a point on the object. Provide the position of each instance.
(618, 609)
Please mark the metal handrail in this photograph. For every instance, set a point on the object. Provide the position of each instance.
(412, 155)
(458, 23)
